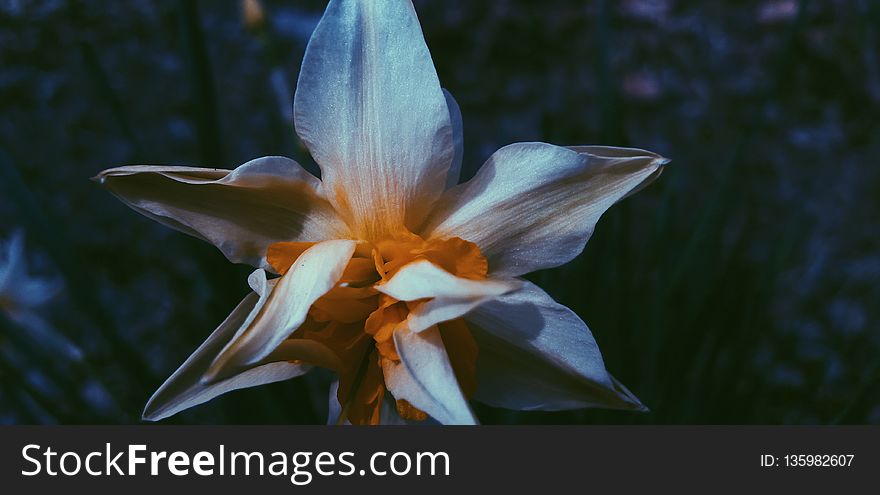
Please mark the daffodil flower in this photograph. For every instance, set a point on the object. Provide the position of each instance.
(392, 275)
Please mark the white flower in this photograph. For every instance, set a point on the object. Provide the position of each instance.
(22, 297)
(392, 275)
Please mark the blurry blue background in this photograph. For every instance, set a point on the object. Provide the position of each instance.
(741, 287)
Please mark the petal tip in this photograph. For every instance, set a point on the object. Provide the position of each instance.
(100, 178)
(629, 398)
(152, 413)
(662, 162)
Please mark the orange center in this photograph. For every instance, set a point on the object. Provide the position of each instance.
(357, 322)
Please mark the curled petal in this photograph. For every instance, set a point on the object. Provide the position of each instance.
(535, 205)
(184, 389)
(422, 279)
(369, 107)
(449, 296)
(312, 275)
(537, 354)
(241, 211)
(612, 153)
(424, 377)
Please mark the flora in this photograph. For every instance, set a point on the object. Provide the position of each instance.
(24, 297)
(393, 275)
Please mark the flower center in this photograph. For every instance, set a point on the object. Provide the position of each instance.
(357, 322)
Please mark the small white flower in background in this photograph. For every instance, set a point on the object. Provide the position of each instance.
(401, 281)
(23, 296)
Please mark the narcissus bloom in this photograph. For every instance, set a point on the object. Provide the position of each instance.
(392, 275)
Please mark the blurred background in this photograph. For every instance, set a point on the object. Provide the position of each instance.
(740, 287)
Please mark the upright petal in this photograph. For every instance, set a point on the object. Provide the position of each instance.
(537, 354)
(240, 211)
(535, 205)
(184, 389)
(312, 275)
(449, 297)
(369, 107)
(424, 377)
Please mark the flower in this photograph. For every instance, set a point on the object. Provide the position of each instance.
(22, 297)
(392, 275)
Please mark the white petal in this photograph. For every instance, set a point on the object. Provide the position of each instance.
(457, 139)
(424, 377)
(242, 211)
(12, 265)
(33, 292)
(537, 354)
(612, 153)
(439, 310)
(535, 205)
(312, 275)
(184, 388)
(369, 108)
(422, 279)
(450, 296)
(258, 282)
(25, 293)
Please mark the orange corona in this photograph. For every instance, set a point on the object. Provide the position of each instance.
(357, 322)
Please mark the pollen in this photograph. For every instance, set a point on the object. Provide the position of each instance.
(358, 323)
